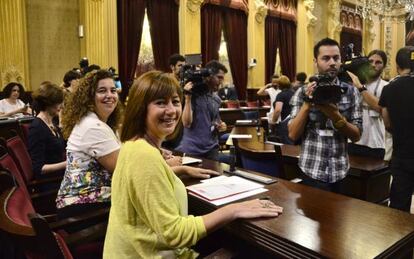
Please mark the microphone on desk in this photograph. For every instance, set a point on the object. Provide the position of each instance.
(232, 158)
(258, 118)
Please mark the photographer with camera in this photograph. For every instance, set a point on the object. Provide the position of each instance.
(397, 103)
(325, 113)
(176, 62)
(201, 118)
(372, 139)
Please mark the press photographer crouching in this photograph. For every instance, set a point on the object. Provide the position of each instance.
(325, 113)
(201, 118)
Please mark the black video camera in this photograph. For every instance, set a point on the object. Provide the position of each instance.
(190, 72)
(357, 64)
(326, 90)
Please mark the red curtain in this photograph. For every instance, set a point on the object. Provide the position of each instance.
(211, 24)
(163, 21)
(271, 44)
(235, 33)
(287, 50)
(280, 33)
(130, 20)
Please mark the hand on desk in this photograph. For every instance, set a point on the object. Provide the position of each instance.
(196, 172)
(255, 209)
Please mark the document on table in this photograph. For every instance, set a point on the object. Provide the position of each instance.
(225, 189)
(244, 136)
(244, 121)
(190, 160)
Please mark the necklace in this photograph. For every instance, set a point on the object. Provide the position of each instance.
(48, 122)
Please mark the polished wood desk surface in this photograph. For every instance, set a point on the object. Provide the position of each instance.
(256, 144)
(316, 224)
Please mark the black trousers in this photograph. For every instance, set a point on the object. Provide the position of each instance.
(402, 187)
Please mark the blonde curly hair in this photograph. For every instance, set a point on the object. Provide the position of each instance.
(82, 101)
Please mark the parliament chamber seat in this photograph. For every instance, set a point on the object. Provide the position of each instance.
(32, 235)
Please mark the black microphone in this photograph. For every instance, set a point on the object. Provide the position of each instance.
(232, 158)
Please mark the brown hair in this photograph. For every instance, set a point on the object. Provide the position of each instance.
(150, 86)
(82, 101)
(47, 95)
(283, 82)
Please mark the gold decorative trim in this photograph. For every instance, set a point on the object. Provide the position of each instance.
(310, 17)
(261, 11)
(335, 27)
(370, 31)
(12, 75)
(194, 6)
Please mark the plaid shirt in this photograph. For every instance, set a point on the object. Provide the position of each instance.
(325, 158)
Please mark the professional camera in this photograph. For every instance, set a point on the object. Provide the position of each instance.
(326, 90)
(190, 72)
(357, 64)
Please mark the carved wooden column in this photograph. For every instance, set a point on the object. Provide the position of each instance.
(334, 24)
(190, 26)
(256, 42)
(14, 58)
(305, 36)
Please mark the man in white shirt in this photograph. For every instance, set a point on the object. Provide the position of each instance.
(372, 140)
(272, 91)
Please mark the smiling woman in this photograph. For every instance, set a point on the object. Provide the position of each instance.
(90, 119)
(149, 216)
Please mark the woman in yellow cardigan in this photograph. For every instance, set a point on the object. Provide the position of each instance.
(148, 217)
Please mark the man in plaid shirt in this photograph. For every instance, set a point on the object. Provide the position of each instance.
(325, 128)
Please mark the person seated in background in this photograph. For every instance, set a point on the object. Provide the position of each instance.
(90, 119)
(46, 145)
(300, 81)
(282, 109)
(149, 213)
(272, 91)
(176, 61)
(227, 92)
(71, 81)
(11, 104)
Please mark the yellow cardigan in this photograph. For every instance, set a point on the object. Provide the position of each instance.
(148, 217)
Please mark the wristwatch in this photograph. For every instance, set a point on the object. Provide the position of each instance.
(340, 123)
(362, 88)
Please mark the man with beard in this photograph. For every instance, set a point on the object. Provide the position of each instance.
(372, 139)
(201, 118)
(325, 128)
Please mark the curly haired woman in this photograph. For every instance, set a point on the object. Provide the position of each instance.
(90, 119)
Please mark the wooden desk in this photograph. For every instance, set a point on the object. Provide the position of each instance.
(230, 115)
(368, 178)
(13, 124)
(318, 224)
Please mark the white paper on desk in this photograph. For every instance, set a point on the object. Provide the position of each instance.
(240, 136)
(244, 121)
(236, 197)
(226, 187)
(190, 160)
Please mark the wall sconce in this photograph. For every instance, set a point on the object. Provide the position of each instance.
(80, 31)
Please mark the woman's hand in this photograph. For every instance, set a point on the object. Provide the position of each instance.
(255, 209)
(197, 172)
(174, 160)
